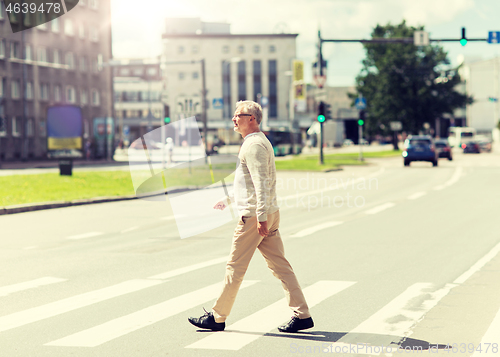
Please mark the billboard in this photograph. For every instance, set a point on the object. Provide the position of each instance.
(64, 131)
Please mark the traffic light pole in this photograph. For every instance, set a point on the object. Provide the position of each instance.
(360, 143)
(321, 158)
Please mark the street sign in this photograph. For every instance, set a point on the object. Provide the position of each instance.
(421, 38)
(494, 37)
(360, 103)
(126, 130)
(396, 125)
(217, 103)
(319, 80)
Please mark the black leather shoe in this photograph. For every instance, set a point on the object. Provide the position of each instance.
(207, 321)
(296, 324)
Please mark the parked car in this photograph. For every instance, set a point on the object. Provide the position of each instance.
(471, 147)
(443, 148)
(420, 148)
(484, 143)
(348, 142)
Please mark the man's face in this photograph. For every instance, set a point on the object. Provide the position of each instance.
(241, 121)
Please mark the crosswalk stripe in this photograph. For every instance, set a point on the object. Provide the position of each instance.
(256, 325)
(398, 317)
(6, 290)
(416, 195)
(311, 230)
(489, 338)
(55, 308)
(172, 273)
(86, 235)
(110, 330)
(380, 208)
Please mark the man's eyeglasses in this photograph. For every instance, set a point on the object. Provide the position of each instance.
(242, 115)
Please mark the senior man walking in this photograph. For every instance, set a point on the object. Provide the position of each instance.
(254, 193)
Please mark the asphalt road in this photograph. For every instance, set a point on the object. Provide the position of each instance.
(387, 255)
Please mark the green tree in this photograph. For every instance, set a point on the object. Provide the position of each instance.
(403, 82)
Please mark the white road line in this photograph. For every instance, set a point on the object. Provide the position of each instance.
(490, 337)
(129, 229)
(454, 178)
(167, 218)
(380, 208)
(319, 227)
(86, 235)
(9, 289)
(479, 264)
(417, 195)
(256, 325)
(110, 330)
(55, 308)
(172, 273)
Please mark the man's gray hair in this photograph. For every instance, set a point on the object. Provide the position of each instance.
(250, 107)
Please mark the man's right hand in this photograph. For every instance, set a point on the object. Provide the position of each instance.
(220, 205)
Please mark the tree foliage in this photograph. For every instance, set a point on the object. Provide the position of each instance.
(403, 82)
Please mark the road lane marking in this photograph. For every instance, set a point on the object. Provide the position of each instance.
(454, 178)
(263, 321)
(86, 235)
(311, 230)
(9, 289)
(112, 329)
(490, 337)
(478, 265)
(417, 195)
(176, 272)
(59, 307)
(129, 229)
(380, 208)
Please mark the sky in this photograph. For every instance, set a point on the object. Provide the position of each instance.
(137, 25)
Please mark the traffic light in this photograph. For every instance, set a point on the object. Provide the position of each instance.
(321, 112)
(166, 114)
(328, 111)
(361, 120)
(463, 40)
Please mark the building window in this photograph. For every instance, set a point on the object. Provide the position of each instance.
(225, 49)
(81, 30)
(180, 49)
(27, 53)
(226, 89)
(42, 132)
(195, 75)
(14, 50)
(28, 91)
(181, 76)
(194, 49)
(95, 66)
(82, 2)
(95, 97)
(272, 48)
(44, 91)
(29, 128)
(42, 20)
(124, 72)
(83, 97)
(2, 9)
(70, 94)
(55, 25)
(2, 48)
(42, 54)
(94, 4)
(70, 60)
(257, 80)
(57, 93)
(2, 86)
(14, 90)
(152, 71)
(256, 49)
(68, 28)
(273, 89)
(83, 64)
(16, 127)
(57, 56)
(138, 72)
(3, 125)
(242, 81)
(241, 49)
(94, 34)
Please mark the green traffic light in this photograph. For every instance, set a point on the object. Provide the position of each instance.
(361, 122)
(166, 120)
(321, 118)
(463, 41)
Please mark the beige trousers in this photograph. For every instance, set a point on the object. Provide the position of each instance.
(246, 239)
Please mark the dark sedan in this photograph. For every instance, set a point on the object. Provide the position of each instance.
(443, 148)
(471, 147)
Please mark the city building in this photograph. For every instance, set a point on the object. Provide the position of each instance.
(237, 67)
(138, 89)
(58, 62)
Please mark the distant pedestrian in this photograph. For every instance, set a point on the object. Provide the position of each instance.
(87, 150)
(255, 197)
(170, 150)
